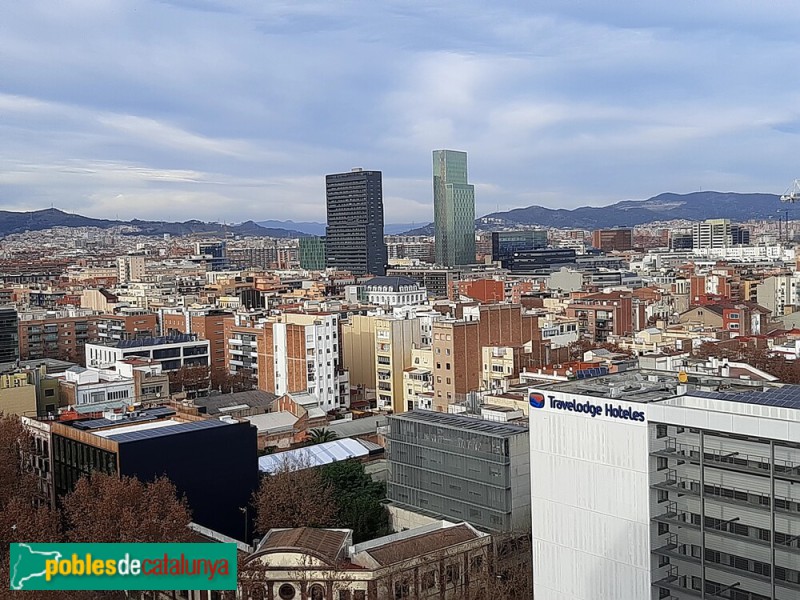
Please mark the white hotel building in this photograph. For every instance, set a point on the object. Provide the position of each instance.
(646, 488)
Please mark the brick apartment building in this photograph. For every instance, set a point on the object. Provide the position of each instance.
(127, 324)
(600, 315)
(458, 344)
(55, 335)
(207, 323)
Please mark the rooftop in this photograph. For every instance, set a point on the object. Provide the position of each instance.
(460, 422)
(251, 398)
(327, 544)
(405, 545)
(313, 456)
(644, 386)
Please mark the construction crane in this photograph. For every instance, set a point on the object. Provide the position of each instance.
(793, 193)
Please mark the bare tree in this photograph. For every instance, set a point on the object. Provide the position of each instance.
(132, 511)
(294, 496)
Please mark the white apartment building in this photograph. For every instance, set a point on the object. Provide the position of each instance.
(712, 233)
(173, 352)
(644, 487)
(318, 352)
(779, 292)
(418, 380)
(130, 268)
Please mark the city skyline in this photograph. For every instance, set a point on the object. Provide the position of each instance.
(158, 110)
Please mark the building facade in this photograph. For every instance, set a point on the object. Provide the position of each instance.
(711, 507)
(505, 243)
(613, 240)
(312, 253)
(174, 352)
(53, 334)
(395, 339)
(460, 468)
(354, 235)
(453, 209)
(9, 335)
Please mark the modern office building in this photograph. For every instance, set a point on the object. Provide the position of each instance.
(453, 209)
(211, 461)
(657, 485)
(712, 233)
(505, 243)
(613, 240)
(9, 335)
(213, 254)
(312, 253)
(354, 235)
(460, 468)
(543, 260)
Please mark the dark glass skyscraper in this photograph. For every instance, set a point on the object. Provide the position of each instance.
(354, 236)
(9, 335)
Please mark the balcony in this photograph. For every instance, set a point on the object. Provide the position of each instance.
(734, 461)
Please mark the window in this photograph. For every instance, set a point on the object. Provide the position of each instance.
(359, 595)
(476, 563)
(401, 589)
(680, 429)
(663, 496)
(49, 393)
(663, 561)
(317, 592)
(428, 580)
(344, 595)
(663, 528)
(661, 431)
(662, 463)
(286, 591)
(452, 574)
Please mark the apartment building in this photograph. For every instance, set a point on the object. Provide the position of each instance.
(56, 334)
(395, 339)
(130, 268)
(9, 334)
(127, 323)
(603, 314)
(418, 380)
(358, 350)
(174, 352)
(207, 323)
(299, 352)
(458, 343)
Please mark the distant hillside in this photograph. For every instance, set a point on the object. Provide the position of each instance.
(313, 228)
(696, 206)
(19, 222)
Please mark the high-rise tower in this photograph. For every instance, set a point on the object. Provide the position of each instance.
(9, 335)
(354, 236)
(453, 209)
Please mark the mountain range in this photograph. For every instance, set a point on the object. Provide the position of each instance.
(37, 220)
(696, 206)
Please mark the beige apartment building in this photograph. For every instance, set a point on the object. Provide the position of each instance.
(418, 379)
(358, 350)
(394, 340)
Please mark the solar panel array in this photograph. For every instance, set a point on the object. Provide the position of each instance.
(594, 372)
(135, 436)
(787, 396)
(148, 415)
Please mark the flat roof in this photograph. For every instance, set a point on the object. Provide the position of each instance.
(173, 429)
(150, 414)
(147, 425)
(494, 428)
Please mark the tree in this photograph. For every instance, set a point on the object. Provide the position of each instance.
(318, 435)
(294, 496)
(230, 383)
(358, 500)
(191, 378)
(132, 511)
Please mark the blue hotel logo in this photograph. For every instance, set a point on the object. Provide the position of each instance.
(536, 400)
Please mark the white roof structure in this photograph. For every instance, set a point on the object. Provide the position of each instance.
(313, 456)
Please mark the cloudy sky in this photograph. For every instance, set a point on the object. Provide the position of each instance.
(230, 110)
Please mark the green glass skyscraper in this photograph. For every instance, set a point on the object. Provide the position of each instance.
(453, 209)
